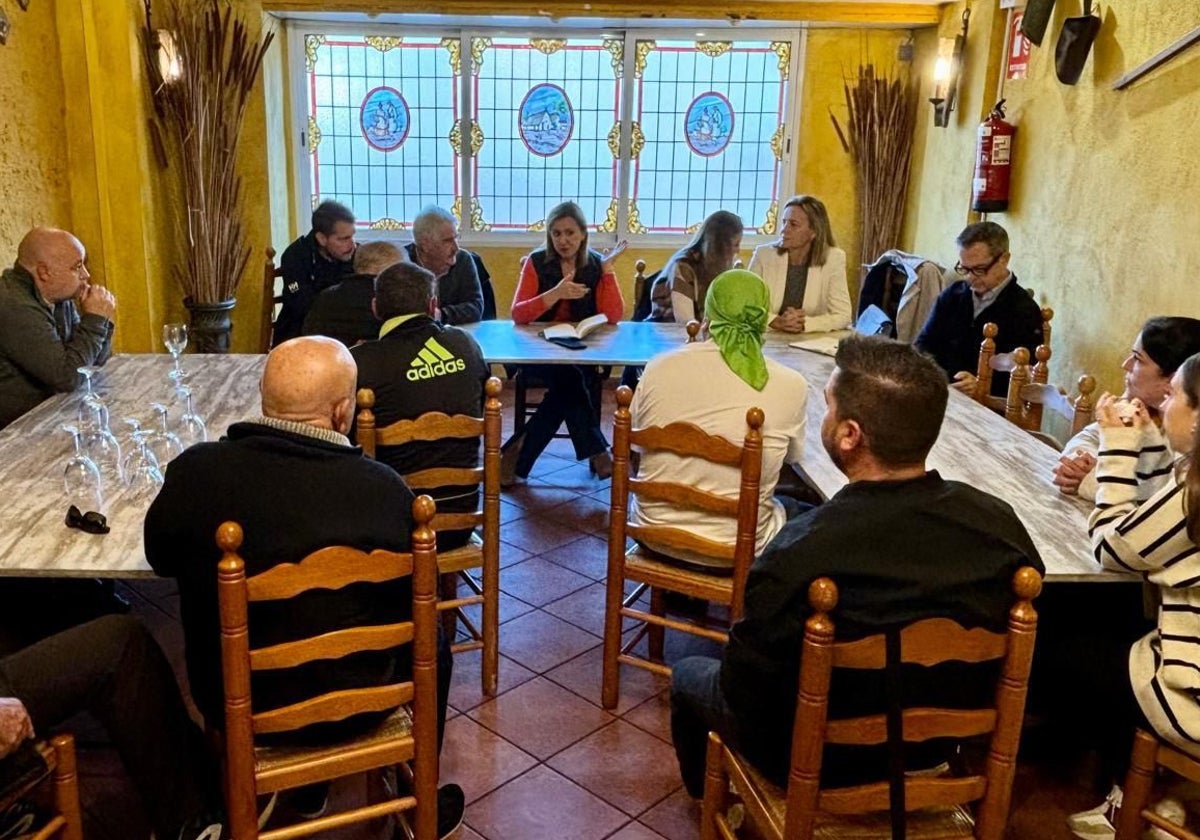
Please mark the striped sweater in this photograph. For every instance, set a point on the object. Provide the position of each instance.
(1155, 461)
(1151, 538)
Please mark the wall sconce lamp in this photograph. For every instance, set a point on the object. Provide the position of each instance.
(946, 72)
(169, 67)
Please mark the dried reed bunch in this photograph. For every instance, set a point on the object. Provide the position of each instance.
(882, 113)
(202, 108)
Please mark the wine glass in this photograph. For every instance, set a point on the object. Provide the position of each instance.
(81, 477)
(90, 399)
(191, 425)
(142, 475)
(102, 447)
(175, 336)
(164, 443)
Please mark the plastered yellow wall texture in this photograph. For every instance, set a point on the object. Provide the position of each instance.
(1103, 219)
(33, 129)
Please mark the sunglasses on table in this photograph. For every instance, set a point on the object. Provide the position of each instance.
(976, 270)
(90, 522)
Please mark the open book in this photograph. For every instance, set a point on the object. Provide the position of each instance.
(824, 343)
(580, 330)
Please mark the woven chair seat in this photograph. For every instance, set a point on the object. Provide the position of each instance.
(469, 556)
(279, 758)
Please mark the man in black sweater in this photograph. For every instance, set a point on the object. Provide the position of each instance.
(343, 311)
(989, 293)
(314, 262)
(419, 365)
(902, 544)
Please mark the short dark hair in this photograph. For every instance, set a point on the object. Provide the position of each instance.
(403, 289)
(1169, 341)
(328, 214)
(989, 233)
(896, 394)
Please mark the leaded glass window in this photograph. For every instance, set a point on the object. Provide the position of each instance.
(648, 131)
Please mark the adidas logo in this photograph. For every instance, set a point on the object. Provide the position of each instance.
(434, 360)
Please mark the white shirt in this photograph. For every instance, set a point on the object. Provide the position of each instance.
(694, 385)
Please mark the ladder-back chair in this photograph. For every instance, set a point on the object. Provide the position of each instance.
(991, 362)
(929, 806)
(408, 734)
(1029, 395)
(271, 301)
(1150, 753)
(482, 552)
(66, 822)
(648, 569)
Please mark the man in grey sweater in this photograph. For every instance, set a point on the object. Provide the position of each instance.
(52, 321)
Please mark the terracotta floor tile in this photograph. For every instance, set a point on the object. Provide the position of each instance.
(577, 477)
(654, 716)
(465, 832)
(539, 641)
(623, 765)
(585, 555)
(542, 805)
(548, 464)
(538, 495)
(537, 533)
(510, 553)
(584, 608)
(479, 760)
(582, 675)
(510, 607)
(636, 831)
(538, 582)
(510, 511)
(540, 717)
(676, 818)
(465, 689)
(585, 514)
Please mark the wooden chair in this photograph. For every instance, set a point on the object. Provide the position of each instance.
(648, 569)
(271, 301)
(67, 821)
(1149, 753)
(992, 362)
(932, 806)
(408, 735)
(1029, 395)
(482, 552)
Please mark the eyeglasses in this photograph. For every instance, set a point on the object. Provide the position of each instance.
(90, 522)
(977, 270)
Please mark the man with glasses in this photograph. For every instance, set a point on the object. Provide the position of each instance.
(988, 293)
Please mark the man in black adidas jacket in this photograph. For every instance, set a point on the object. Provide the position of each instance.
(418, 366)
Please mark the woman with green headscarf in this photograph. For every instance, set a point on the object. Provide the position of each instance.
(711, 384)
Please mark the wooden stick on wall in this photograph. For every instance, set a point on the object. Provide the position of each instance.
(1158, 60)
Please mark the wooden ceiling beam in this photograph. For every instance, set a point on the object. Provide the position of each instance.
(823, 13)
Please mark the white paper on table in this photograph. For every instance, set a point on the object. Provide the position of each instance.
(826, 344)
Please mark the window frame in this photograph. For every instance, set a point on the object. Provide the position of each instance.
(464, 29)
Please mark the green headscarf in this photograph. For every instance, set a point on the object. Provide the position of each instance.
(736, 307)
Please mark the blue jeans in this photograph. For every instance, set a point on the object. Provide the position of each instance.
(697, 707)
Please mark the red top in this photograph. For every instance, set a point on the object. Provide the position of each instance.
(528, 304)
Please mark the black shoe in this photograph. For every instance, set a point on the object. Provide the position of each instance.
(508, 460)
(310, 801)
(451, 803)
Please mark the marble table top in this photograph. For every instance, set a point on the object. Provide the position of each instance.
(33, 451)
(976, 446)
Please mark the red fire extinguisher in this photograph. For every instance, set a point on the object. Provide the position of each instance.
(993, 163)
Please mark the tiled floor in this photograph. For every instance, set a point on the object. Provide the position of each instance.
(542, 760)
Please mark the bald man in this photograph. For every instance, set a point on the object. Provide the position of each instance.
(52, 321)
(294, 482)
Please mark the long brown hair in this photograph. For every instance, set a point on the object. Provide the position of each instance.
(1189, 375)
(711, 249)
(568, 210)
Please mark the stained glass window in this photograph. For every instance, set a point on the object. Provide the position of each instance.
(648, 132)
(380, 112)
(710, 116)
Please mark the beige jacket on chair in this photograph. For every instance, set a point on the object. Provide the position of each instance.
(826, 298)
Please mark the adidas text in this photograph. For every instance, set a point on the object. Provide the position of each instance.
(438, 368)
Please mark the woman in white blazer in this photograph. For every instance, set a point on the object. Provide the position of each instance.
(805, 240)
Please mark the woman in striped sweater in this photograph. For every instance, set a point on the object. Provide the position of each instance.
(1159, 538)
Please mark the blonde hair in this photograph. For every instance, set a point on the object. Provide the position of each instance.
(818, 220)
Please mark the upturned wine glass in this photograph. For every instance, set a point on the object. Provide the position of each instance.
(142, 475)
(90, 399)
(175, 336)
(102, 447)
(81, 477)
(191, 425)
(164, 443)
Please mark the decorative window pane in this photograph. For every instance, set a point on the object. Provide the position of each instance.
(708, 118)
(381, 113)
(545, 109)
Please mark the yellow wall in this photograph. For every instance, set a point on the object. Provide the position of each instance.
(33, 130)
(1103, 219)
